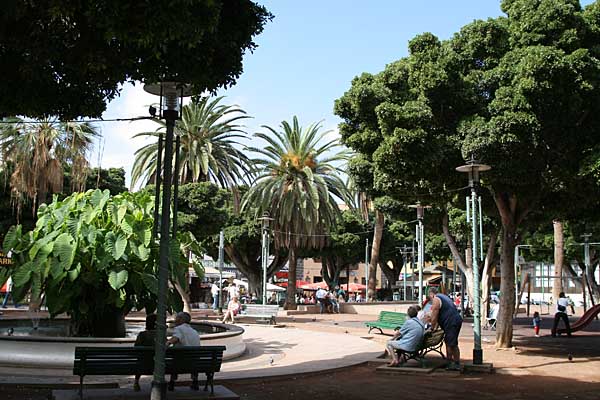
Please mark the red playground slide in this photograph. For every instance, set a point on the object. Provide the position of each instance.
(584, 321)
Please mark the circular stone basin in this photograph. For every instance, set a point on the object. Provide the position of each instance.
(48, 346)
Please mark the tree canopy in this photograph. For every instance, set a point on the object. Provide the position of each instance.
(67, 59)
(518, 92)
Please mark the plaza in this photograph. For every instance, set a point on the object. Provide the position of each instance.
(299, 199)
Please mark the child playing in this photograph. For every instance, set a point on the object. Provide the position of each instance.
(536, 323)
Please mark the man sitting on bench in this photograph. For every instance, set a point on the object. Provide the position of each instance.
(408, 338)
(184, 335)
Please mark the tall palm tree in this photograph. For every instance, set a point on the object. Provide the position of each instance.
(37, 152)
(297, 183)
(208, 131)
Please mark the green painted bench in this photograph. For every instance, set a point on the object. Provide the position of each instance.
(387, 320)
(140, 360)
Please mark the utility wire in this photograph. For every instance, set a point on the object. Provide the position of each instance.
(77, 121)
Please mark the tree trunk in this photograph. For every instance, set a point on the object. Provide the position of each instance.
(250, 266)
(465, 264)
(392, 274)
(185, 297)
(372, 284)
(290, 298)
(559, 252)
(511, 216)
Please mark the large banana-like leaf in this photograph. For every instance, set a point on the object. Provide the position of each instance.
(118, 279)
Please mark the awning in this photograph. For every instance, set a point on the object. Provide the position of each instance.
(299, 284)
(210, 272)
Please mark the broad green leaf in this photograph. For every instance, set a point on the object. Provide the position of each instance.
(122, 210)
(11, 238)
(120, 245)
(22, 274)
(64, 250)
(150, 282)
(117, 279)
(74, 273)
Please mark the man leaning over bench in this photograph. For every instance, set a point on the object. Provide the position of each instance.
(408, 338)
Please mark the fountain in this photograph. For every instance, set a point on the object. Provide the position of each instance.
(36, 342)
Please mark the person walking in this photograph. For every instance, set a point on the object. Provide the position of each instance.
(445, 315)
(561, 313)
(184, 335)
(322, 299)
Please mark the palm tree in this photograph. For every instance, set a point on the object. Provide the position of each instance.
(37, 152)
(208, 131)
(297, 184)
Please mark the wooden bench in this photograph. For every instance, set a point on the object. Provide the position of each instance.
(432, 341)
(266, 312)
(139, 360)
(387, 320)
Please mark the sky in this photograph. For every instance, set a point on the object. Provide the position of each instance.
(306, 59)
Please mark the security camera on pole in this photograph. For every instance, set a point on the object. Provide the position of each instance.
(473, 168)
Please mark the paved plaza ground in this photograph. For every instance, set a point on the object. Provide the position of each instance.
(284, 363)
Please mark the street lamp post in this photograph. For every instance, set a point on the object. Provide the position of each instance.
(473, 168)
(420, 235)
(171, 101)
(367, 271)
(265, 219)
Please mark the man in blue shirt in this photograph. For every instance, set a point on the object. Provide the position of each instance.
(408, 338)
(445, 314)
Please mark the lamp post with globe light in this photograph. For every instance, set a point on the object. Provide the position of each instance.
(473, 168)
(171, 102)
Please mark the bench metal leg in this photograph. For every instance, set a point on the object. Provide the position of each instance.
(81, 387)
(209, 381)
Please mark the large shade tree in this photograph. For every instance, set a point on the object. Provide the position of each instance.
(517, 92)
(208, 131)
(67, 59)
(299, 185)
(37, 154)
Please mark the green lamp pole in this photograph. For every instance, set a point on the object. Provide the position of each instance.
(473, 168)
(171, 101)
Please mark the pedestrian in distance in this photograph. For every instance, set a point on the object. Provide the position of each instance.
(561, 313)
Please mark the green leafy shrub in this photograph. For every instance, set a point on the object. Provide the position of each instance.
(93, 257)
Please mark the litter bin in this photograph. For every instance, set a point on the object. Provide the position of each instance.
(396, 296)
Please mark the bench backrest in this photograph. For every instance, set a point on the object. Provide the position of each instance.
(140, 359)
(392, 317)
(260, 309)
(432, 339)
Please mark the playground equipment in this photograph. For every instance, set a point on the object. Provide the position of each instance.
(584, 321)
